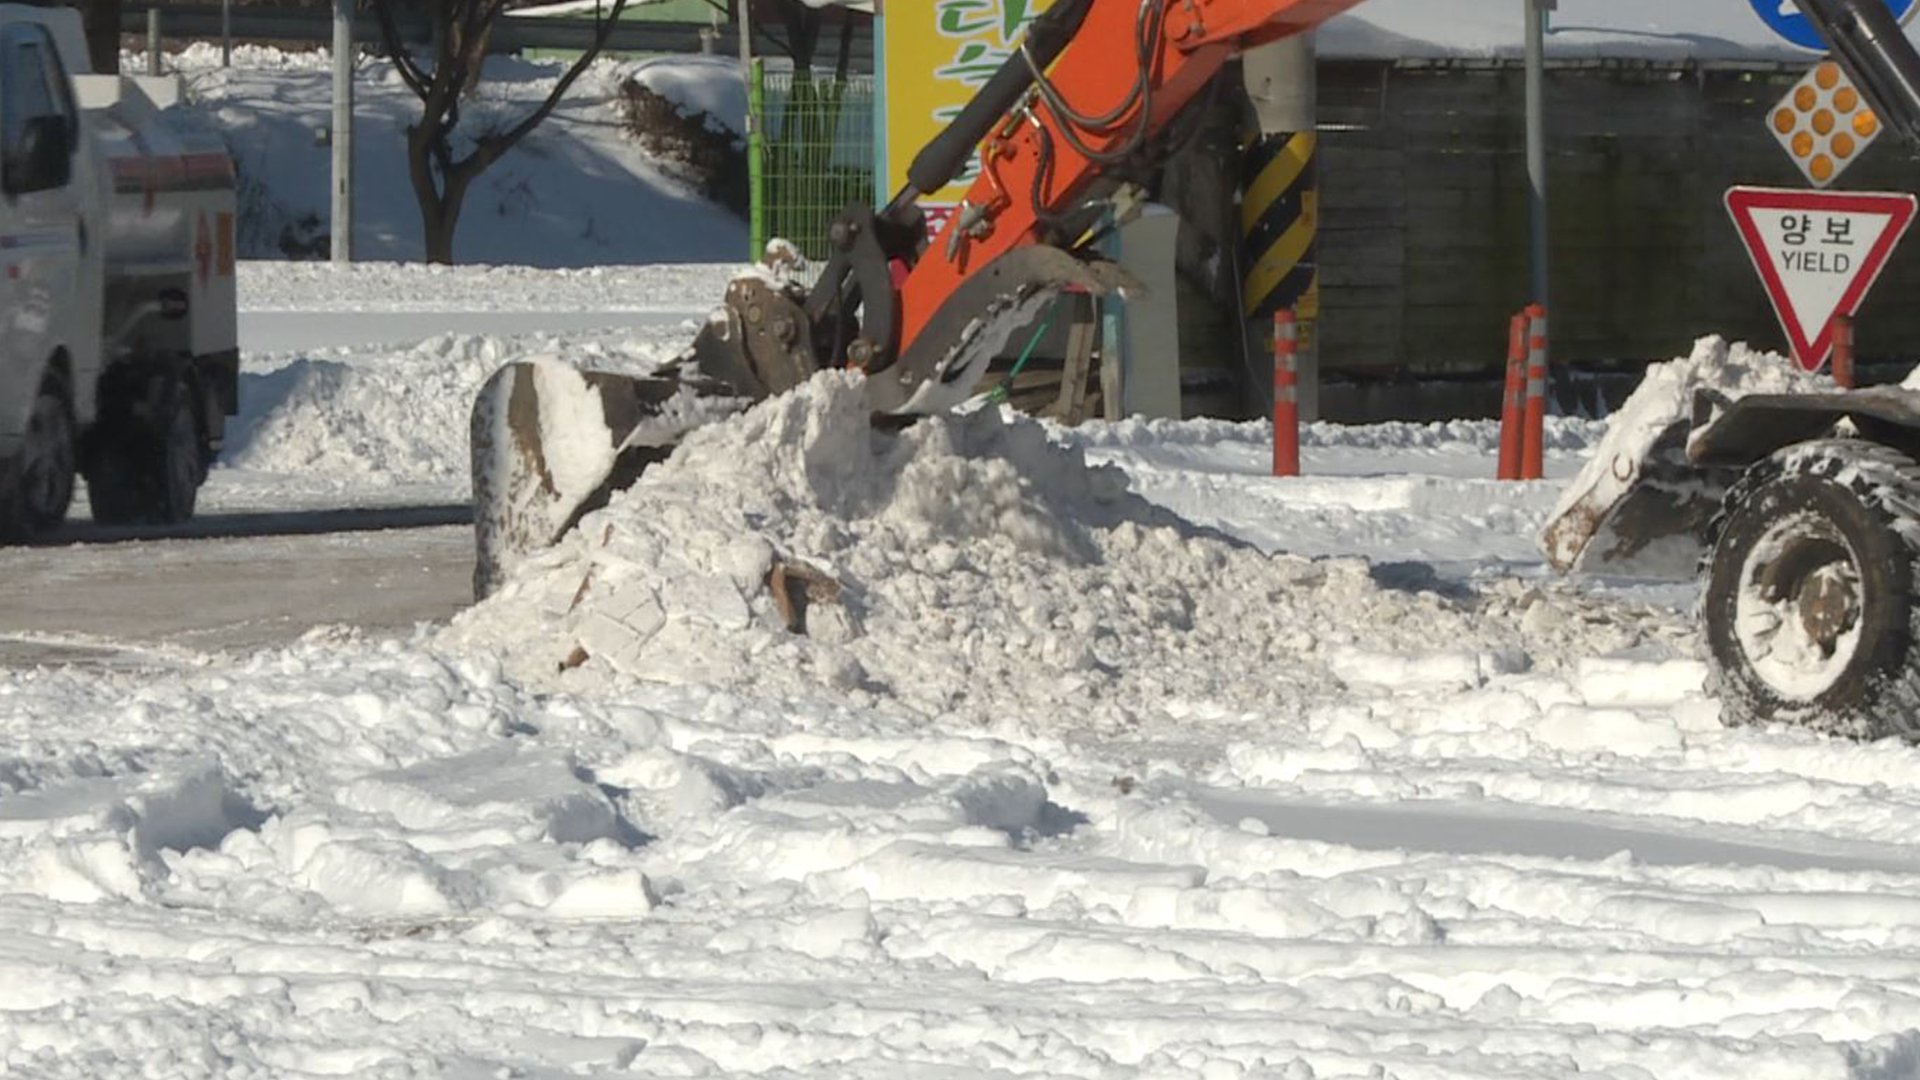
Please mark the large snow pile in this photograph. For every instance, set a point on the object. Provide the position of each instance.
(577, 192)
(977, 563)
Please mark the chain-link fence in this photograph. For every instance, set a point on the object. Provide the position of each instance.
(815, 155)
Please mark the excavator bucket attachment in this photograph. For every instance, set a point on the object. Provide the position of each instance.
(1638, 510)
(552, 443)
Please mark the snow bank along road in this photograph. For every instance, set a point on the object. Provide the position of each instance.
(1054, 784)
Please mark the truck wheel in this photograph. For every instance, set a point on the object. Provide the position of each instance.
(36, 488)
(1809, 604)
(149, 472)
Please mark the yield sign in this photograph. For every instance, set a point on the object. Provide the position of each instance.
(1818, 252)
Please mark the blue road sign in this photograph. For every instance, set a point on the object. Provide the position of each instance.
(1784, 18)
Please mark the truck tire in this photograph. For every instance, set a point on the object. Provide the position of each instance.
(149, 471)
(1809, 604)
(37, 487)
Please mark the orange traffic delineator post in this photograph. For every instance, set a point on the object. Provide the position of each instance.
(1286, 393)
(1513, 401)
(1533, 448)
(1843, 352)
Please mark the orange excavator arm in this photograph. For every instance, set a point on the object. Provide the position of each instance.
(1088, 101)
(1123, 76)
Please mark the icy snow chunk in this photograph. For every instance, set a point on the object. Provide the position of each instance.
(708, 598)
(521, 794)
(1359, 667)
(379, 878)
(95, 839)
(1639, 684)
(613, 894)
(1620, 731)
(503, 829)
(680, 787)
(1006, 797)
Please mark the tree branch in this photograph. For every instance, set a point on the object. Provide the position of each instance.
(403, 61)
(493, 147)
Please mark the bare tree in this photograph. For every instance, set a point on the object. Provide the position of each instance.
(441, 176)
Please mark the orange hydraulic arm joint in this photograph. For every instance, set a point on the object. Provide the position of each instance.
(1077, 110)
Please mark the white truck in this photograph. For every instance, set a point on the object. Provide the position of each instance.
(118, 333)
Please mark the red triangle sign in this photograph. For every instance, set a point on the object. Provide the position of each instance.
(1818, 252)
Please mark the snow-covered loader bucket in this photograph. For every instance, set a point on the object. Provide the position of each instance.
(1642, 505)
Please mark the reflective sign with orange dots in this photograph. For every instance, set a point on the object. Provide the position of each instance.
(1824, 124)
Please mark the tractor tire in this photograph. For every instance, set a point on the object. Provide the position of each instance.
(36, 487)
(149, 471)
(1809, 605)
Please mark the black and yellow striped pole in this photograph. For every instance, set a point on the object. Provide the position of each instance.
(1280, 226)
(1280, 204)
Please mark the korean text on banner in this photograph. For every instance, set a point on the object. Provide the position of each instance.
(937, 55)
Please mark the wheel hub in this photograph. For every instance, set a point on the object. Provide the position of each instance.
(1799, 613)
(1828, 606)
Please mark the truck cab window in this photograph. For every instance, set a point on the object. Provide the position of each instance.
(32, 84)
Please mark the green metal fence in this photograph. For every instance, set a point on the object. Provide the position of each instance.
(812, 154)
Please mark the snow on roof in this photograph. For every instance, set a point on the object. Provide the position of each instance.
(1668, 30)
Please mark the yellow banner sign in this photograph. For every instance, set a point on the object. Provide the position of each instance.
(936, 54)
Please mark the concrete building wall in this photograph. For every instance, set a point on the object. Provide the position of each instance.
(1423, 247)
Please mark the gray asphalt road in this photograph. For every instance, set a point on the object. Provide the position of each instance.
(117, 602)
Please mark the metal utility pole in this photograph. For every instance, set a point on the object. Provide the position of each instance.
(226, 33)
(153, 41)
(1536, 15)
(342, 131)
(756, 102)
(744, 16)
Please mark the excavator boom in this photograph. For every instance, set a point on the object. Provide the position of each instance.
(1085, 107)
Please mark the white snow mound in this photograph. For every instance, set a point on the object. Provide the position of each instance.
(985, 570)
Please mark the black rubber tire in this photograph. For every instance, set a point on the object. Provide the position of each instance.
(37, 487)
(1848, 511)
(149, 472)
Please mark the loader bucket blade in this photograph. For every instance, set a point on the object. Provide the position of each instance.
(552, 443)
(1640, 517)
(1643, 504)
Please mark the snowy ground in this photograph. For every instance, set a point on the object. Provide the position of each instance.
(1061, 785)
